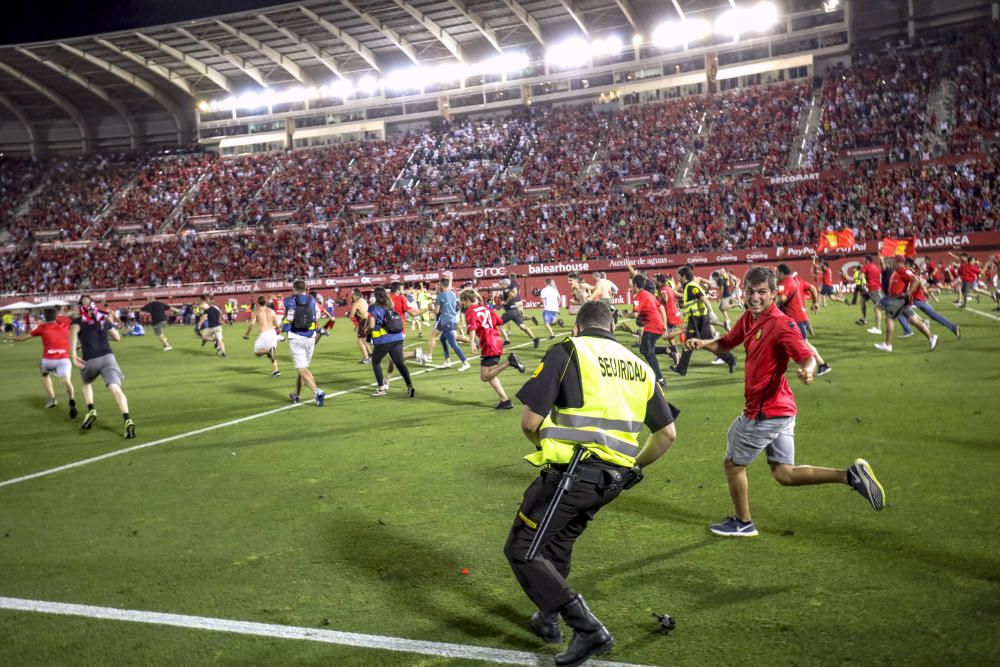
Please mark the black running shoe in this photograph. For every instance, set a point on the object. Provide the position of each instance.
(410, 391)
(535, 342)
(678, 371)
(504, 405)
(73, 412)
(515, 362)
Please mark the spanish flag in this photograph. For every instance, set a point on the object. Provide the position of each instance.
(842, 239)
(904, 247)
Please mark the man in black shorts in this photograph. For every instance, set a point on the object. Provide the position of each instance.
(92, 328)
(158, 318)
(512, 303)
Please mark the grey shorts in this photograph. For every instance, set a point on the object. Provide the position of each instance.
(749, 437)
(105, 366)
(158, 328)
(61, 367)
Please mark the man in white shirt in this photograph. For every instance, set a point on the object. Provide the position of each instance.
(551, 303)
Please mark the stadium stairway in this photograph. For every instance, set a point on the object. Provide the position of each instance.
(173, 220)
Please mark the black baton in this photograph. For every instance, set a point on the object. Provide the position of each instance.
(565, 482)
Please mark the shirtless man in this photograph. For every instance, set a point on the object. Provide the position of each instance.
(581, 293)
(359, 315)
(603, 289)
(267, 321)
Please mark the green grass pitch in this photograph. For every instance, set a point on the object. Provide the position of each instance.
(361, 515)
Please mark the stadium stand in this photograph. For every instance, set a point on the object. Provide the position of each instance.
(539, 183)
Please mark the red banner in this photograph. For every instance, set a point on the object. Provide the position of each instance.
(833, 240)
(904, 247)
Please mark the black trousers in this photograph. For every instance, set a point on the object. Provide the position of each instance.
(647, 348)
(699, 326)
(395, 352)
(544, 578)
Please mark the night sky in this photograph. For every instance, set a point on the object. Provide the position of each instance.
(39, 20)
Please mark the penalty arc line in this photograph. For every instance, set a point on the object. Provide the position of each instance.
(206, 429)
(358, 640)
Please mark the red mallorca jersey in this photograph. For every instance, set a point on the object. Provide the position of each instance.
(795, 304)
(648, 308)
(669, 301)
(770, 341)
(55, 338)
(483, 322)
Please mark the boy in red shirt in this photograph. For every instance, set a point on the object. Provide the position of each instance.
(791, 300)
(652, 317)
(771, 338)
(902, 285)
(54, 332)
(484, 323)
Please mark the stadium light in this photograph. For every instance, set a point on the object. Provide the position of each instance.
(411, 78)
(574, 52)
(675, 33)
(831, 5)
(505, 63)
(341, 88)
(607, 47)
(368, 84)
(739, 20)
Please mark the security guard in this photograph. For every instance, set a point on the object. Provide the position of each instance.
(591, 392)
(230, 312)
(696, 311)
(860, 285)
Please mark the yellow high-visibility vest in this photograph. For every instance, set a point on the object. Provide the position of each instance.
(616, 387)
(692, 305)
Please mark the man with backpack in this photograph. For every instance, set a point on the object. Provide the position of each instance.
(299, 326)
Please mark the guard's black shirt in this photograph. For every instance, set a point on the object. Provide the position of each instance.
(558, 384)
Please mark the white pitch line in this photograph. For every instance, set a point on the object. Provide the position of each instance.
(980, 312)
(214, 427)
(377, 642)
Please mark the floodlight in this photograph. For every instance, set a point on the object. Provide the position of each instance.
(740, 20)
(606, 47)
(411, 78)
(368, 84)
(511, 61)
(341, 88)
(574, 52)
(675, 33)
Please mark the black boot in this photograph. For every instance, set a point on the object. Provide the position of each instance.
(547, 627)
(590, 637)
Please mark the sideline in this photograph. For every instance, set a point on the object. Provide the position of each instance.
(214, 427)
(378, 642)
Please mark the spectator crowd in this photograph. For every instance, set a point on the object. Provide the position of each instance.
(537, 184)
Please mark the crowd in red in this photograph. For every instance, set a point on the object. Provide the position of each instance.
(310, 212)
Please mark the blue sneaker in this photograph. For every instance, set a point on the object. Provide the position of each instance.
(320, 397)
(862, 479)
(733, 527)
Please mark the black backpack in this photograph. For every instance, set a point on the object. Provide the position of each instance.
(305, 314)
(392, 323)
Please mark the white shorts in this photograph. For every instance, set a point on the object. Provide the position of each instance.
(301, 348)
(265, 341)
(61, 367)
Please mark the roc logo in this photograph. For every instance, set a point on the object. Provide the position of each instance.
(760, 332)
(538, 370)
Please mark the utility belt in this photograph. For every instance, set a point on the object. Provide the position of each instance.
(605, 476)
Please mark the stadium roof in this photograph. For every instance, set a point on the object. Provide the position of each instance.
(171, 67)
